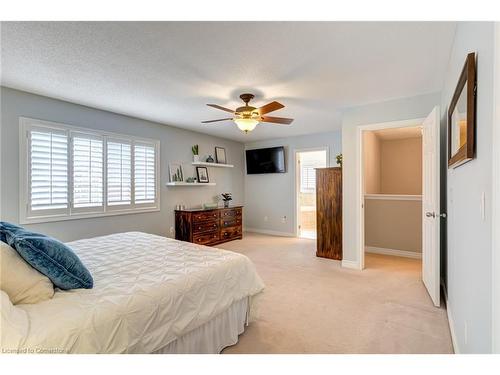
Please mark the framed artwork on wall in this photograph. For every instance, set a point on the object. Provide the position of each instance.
(462, 116)
(220, 155)
(175, 172)
(202, 174)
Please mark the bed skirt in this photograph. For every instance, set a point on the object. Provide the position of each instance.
(213, 336)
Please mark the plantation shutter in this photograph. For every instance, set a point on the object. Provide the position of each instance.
(144, 173)
(48, 170)
(308, 176)
(87, 171)
(119, 173)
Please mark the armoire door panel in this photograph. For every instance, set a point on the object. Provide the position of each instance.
(329, 212)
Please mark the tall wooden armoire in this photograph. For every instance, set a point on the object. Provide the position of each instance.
(329, 212)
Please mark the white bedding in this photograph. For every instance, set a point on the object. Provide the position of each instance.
(148, 291)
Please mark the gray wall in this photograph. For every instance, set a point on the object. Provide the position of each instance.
(469, 271)
(175, 146)
(401, 109)
(273, 195)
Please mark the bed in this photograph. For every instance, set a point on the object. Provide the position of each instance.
(151, 295)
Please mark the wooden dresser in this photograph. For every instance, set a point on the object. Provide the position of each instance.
(209, 227)
(329, 212)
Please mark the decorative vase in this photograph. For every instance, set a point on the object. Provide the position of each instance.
(196, 158)
(226, 204)
(210, 159)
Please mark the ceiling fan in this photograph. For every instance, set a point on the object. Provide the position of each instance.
(247, 117)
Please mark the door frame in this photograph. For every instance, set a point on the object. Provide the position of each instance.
(360, 227)
(297, 179)
(496, 199)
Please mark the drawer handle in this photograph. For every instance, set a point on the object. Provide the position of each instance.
(199, 227)
(225, 233)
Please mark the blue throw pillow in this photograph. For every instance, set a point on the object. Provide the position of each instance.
(49, 256)
(7, 230)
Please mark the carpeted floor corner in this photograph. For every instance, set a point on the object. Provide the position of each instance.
(312, 305)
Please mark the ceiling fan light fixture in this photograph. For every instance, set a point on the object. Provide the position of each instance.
(246, 124)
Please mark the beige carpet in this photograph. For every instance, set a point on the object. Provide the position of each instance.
(312, 305)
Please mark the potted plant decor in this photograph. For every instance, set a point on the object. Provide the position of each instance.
(196, 156)
(226, 197)
(339, 160)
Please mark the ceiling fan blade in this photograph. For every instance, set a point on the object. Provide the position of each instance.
(221, 108)
(277, 120)
(221, 119)
(269, 107)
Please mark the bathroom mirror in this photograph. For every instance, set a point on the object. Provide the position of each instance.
(462, 116)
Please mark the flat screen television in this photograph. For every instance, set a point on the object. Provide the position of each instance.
(266, 160)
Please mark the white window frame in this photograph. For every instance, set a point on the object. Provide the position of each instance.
(26, 216)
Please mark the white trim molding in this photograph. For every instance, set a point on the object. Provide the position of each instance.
(496, 197)
(270, 232)
(451, 322)
(393, 252)
(394, 197)
(354, 265)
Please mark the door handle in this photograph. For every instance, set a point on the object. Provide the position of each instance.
(433, 214)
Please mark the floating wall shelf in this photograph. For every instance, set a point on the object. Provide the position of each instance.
(216, 165)
(190, 184)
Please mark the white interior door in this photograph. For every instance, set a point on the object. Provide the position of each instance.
(430, 206)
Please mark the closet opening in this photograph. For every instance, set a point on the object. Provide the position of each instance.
(392, 184)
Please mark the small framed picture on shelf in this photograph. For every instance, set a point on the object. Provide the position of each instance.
(220, 155)
(175, 172)
(202, 173)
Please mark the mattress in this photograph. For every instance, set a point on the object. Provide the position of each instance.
(148, 291)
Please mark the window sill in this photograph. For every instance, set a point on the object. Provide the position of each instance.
(50, 219)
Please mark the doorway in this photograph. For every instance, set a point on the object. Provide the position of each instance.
(306, 163)
(429, 210)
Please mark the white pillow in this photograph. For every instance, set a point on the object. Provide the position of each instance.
(15, 326)
(21, 282)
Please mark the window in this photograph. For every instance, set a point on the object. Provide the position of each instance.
(70, 173)
(309, 161)
(307, 178)
(87, 171)
(144, 175)
(48, 170)
(119, 161)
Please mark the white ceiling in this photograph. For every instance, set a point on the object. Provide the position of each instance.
(168, 71)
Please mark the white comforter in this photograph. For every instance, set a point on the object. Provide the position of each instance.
(148, 290)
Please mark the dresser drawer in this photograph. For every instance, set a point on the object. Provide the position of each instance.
(205, 226)
(230, 222)
(203, 239)
(230, 212)
(205, 216)
(230, 233)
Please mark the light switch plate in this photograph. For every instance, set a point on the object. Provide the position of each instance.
(483, 206)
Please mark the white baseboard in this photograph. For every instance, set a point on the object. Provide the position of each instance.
(451, 322)
(270, 232)
(393, 252)
(351, 264)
